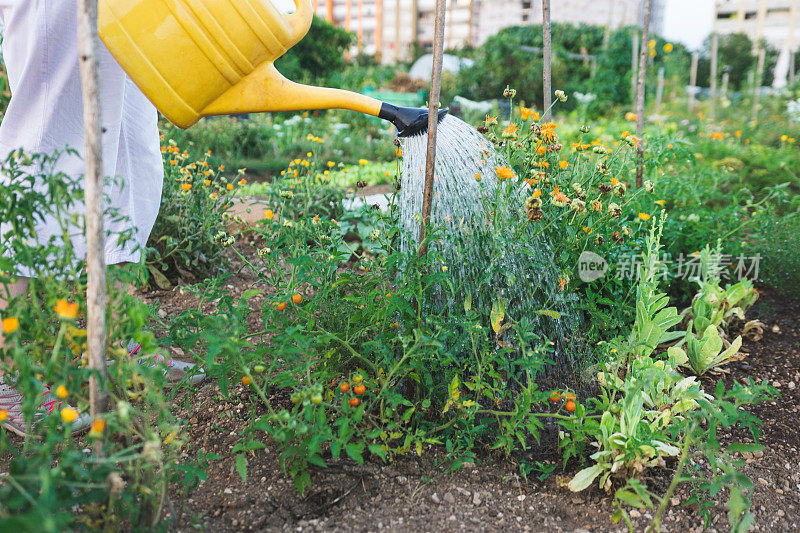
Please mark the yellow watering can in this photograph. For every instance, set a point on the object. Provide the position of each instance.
(196, 58)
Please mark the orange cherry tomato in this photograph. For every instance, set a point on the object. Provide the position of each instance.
(297, 298)
(281, 306)
(354, 402)
(344, 386)
(246, 380)
(555, 397)
(570, 406)
(359, 389)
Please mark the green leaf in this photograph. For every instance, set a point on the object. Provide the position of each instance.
(549, 313)
(584, 478)
(498, 314)
(377, 449)
(241, 466)
(354, 451)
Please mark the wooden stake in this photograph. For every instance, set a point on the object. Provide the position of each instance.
(640, 88)
(713, 74)
(433, 121)
(88, 44)
(693, 81)
(757, 84)
(725, 80)
(546, 69)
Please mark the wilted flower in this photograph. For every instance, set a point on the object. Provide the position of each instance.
(619, 189)
(559, 199)
(561, 95)
(578, 205)
(509, 92)
(614, 210)
(577, 188)
(596, 205)
(287, 194)
(648, 186)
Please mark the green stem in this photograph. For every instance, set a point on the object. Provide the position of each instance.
(655, 526)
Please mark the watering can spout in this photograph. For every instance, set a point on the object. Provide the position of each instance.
(265, 89)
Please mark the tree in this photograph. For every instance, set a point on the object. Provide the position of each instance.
(319, 55)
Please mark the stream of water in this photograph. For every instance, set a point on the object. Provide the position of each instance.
(488, 248)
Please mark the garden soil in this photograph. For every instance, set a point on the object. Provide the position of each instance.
(423, 494)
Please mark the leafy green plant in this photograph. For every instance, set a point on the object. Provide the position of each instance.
(193, 213)
(52, 480)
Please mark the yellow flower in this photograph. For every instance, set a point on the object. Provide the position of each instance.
(68, 414)
(738, 133)
(186, 186)
(541, 150)
(207, 183)
(668, 48)
(309, 154)
(477, 176)
(331, 164)
(10, 325)
(398, 152)
(660, 202)
(630, 116)
(362, 162)
(652, 52)
(213, 195)
(651, 43)
(229, 186)
(66, 310)
(173, 162)
(490, 120)
(222, 167)
(268, 214)
(3, 415)
(644, 216)
(504, 173)
(563, 164)
(525, 112)
(242, 181)
(536, 193)
(62, 392)
(784, 137)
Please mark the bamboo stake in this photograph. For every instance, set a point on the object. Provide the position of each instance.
(713, 74)
(433, 121)
(757, 84)
(95, 257)
(546, 70)
(643, 53)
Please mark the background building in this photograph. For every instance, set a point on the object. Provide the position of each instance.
(772, 20)
(389, 28)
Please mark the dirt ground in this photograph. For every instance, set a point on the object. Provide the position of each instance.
(422, 494)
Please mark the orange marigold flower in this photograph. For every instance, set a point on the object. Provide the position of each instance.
(563, 164)
(537, 193)
(98, 426)
(738, 133)
(398, 152)
(525, 112)
(511, 130)
(504, 173)
(66, 310)
(186, 186)
(10, 324)
(541, 150)
(173, 162)
(268, 214)
(229, 186)
(644, 216)
(548, 133)
(207, 183)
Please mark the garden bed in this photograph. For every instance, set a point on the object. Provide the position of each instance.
(422, 493)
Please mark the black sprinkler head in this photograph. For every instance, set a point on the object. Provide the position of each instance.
(409, 121)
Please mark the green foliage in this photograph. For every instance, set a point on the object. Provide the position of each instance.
(192, 217)
(776, 243)
(318, 55)
(52, 480)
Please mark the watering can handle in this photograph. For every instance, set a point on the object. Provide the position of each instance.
(300, 20)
